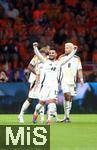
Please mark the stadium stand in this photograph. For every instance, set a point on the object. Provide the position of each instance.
(50, 23)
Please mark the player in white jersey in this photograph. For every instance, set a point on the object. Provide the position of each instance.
(70, 72)
(49, 78)
(34, 67)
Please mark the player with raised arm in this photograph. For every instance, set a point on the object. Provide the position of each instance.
(70, 71)
(48, 84)
(49, 78)
(34, 67)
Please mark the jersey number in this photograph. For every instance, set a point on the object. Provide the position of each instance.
(69, 65)
(53, 68)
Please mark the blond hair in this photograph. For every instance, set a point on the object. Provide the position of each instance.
(71, 45)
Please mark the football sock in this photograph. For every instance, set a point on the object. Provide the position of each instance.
(38, 107)
(70, 106)
(24, 107)
(41, 111)
(66, 109)
(52, 111)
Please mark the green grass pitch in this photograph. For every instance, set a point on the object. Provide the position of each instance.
(80, 134)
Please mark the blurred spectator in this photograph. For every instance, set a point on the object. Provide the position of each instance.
(4, 4)
(94, 56)
(27, 15)
(11, 53)
(1, 12)
(16, 76)
(93, 77)
(12, 12)
(3, 76)
(26, 75)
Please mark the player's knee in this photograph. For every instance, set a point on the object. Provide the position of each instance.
(42, 102)
(51, 101)
(67, 96)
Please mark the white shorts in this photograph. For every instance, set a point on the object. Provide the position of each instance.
(48, 92)
(69, 88)
(34, 92)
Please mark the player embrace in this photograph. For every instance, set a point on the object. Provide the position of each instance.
(49, 77)
(49, 81)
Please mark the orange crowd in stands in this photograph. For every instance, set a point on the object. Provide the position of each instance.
(50, 23)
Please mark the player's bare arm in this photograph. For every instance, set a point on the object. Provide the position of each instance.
(31, 68)
(37, 52)
(80, 76)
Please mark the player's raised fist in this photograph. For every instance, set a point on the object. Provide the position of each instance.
(35, 44)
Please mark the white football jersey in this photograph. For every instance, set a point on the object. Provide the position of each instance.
(50, 73)
(51, 70)
(69, 70)
(36, 62)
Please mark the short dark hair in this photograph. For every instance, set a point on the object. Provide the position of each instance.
(53, 50)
